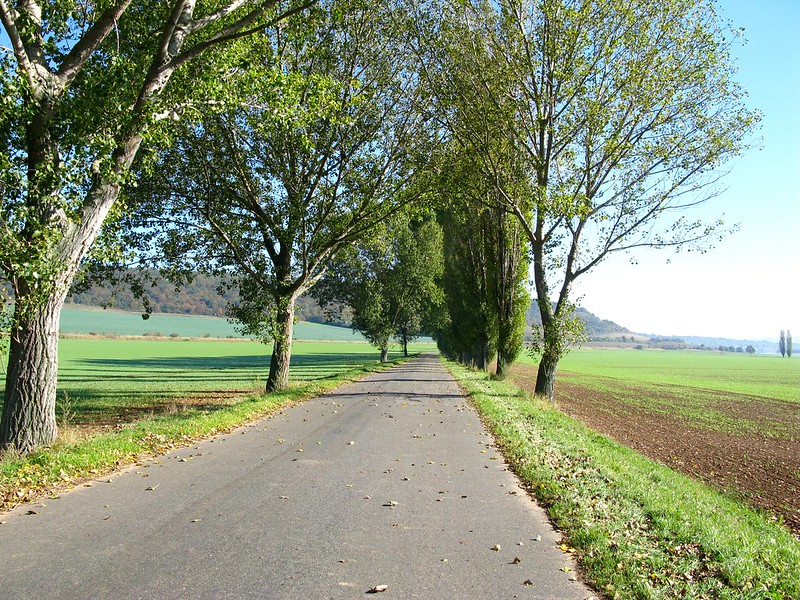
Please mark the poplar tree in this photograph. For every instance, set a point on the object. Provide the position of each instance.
(83, 84)
(623, 113)
(782, 343)
(268, 192)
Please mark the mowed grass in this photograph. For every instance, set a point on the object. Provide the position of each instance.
(738, 373)
(638, 529)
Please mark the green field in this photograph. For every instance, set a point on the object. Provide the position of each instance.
(85, 320)
(103, 376)
(763, 376)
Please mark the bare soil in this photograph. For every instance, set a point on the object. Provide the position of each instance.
(762, 471)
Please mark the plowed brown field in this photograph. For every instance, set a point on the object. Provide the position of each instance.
(762, 470)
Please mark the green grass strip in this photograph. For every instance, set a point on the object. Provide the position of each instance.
(25, 478)
(640, 529)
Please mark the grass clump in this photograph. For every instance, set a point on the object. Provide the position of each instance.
(639, 529)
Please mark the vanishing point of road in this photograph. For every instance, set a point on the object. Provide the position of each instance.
(390, 481)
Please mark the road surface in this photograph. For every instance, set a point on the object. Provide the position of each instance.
(391, 481)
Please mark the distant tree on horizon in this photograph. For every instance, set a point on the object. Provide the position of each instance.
(750, 350)
(782, 343)
(788, 343)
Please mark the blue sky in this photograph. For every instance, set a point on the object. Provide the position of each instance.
(748, 286)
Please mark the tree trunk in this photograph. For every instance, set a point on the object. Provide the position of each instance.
(546, 376)
(502, 366)
(29, 415)
(281, 348)
(384, 354)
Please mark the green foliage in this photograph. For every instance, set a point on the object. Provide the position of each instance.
(320, 152)
(595, 123)
(391, 281)
(83, 85)
(565, 331)
(469, 331)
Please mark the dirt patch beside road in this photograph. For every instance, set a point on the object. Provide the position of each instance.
(763, 471)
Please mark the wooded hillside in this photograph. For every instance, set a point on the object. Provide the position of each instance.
(200, 297)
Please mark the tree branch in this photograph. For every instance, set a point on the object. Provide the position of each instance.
(236, 31)
(89, 42)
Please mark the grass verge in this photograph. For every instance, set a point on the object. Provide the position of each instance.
(638, 529)
(68, 461)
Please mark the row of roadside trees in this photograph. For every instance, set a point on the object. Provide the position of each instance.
(414, 161)
(785, 343)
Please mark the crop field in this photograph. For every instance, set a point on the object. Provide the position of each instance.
(96, 321)
(731, 420)
(106, 381)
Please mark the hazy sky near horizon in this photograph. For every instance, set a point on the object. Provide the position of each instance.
(748, 286)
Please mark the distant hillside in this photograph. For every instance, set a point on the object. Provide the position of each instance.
(595, 326)
(201, 297)
(94, 321)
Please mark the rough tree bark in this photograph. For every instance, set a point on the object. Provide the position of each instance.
(546, 375)
(29, 410)
(281, 348)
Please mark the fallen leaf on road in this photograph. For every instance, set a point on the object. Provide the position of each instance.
(378, 589)
(391, 503)
(351, 443)
(527, 583)
(31, 512)
(496, 547)
(516, 560)
(284, 497)
(151, 488)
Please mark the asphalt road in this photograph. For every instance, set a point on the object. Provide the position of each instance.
(391, 481)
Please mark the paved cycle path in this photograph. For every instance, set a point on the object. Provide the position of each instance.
(391, 481)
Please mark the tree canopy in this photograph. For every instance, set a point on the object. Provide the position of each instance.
(322, 150)
(619, 114)
(83, 84)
